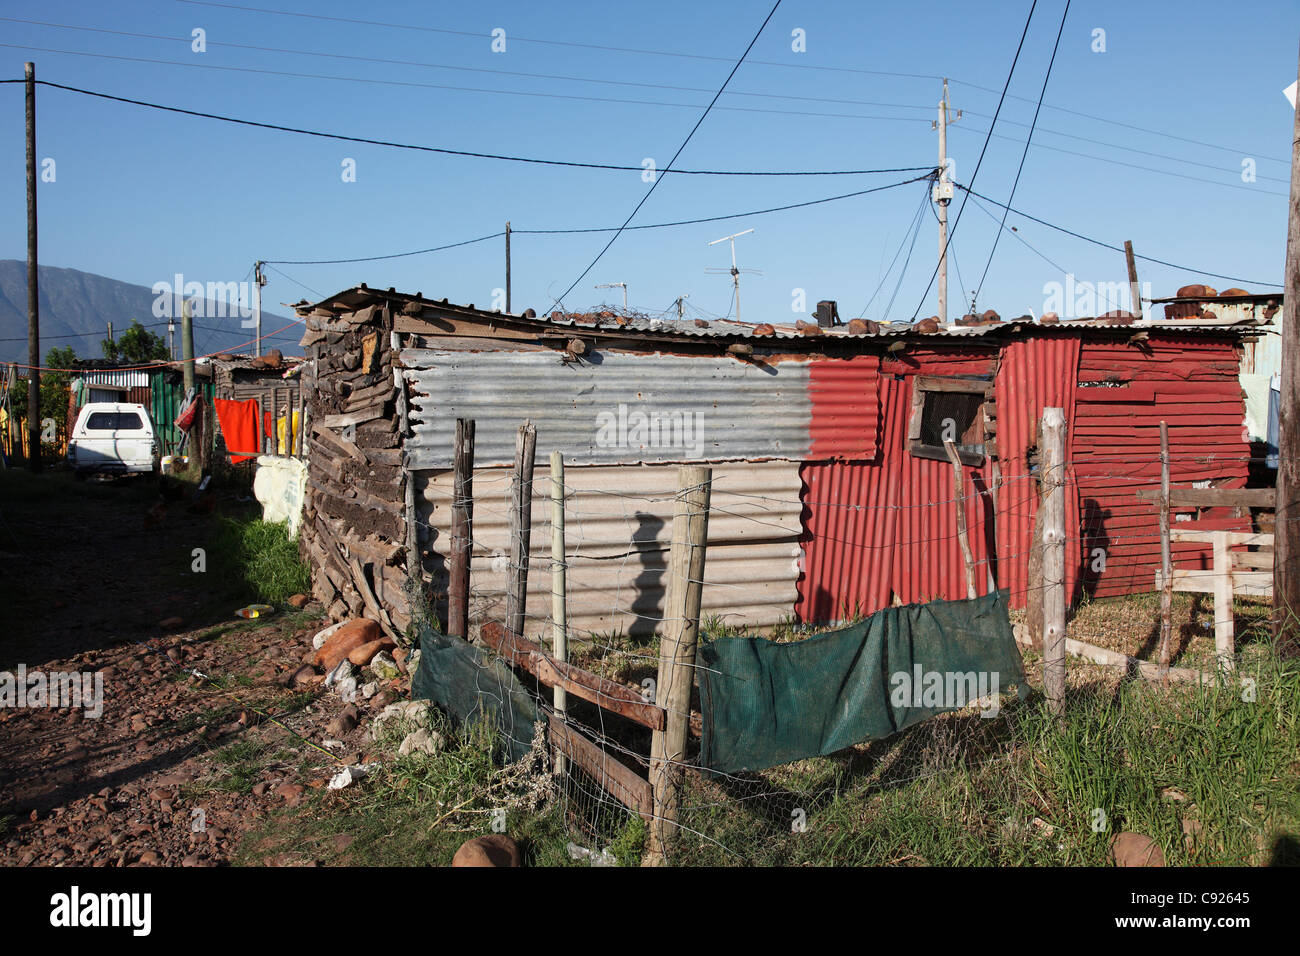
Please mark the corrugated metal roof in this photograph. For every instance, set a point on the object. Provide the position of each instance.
(124, 378)
(618, 532)
(355, 298)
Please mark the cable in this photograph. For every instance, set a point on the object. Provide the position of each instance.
(916, 232)
(951, 232)
(461, 152)
(1107, 245)
(468, 69)
(395, 255)
(1021, 168)
(654, 185)
(720, 59)
(925, 198)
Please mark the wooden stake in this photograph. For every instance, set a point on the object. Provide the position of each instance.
(1286, 566)
(1053, 522)
(521, 527)
(298, 425)
(1166, 564)
(462, 537)
(1134, 290)
(677, 655)
(959, 494)
(1224, 624)
(559, 605)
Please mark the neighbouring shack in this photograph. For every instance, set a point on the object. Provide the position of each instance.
(833, 494)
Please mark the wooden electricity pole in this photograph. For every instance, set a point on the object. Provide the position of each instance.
(1052, 513)
(1286, 541)
(33, 300)
(507, 268)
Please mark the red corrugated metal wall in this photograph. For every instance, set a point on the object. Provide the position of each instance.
(1036, 372)
(1189, 382)
(888, 526)
(845, 408)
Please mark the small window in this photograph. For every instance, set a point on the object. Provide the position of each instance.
(113, 421)
(949, 409)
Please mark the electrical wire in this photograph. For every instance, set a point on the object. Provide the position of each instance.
(461, 152)
(925, 199)
(1025, 153)
(859, 71)
(1113, 248)
(654, 185)
(957, 222)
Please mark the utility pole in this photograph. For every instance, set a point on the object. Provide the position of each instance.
(259, 280)
(942, 195)
(733, 271)
(187, 347)
(1134, 290)
(33, 300)
(616, 285)
(507, 267)
(1286, 541)
(681, 310)
(110, 332)
(171, 338)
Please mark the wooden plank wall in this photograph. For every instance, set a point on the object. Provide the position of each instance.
(354, 523)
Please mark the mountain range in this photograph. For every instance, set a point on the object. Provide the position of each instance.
(76, 307)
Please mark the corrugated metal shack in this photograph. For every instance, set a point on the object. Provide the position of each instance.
(832, 493)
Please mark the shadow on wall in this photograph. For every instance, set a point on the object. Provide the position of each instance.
(650, 583)
(1096, 551)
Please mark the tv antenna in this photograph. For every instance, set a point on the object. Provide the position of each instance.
(733, 271)
(616, 285)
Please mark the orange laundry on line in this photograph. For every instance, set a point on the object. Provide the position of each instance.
(239, 426)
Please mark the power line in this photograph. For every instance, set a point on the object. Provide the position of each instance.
(654, 185)
(1021, 168)
(570, 232)
(445, 86)
(532, 76)
(943, 253)
(461, 152)
(920, 210)
(720, 59)
(1113, 248)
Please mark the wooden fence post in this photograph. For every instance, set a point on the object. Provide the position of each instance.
(1166, 562)
(1052, 512)
(559, 600)
(521, 527)
(677, 655)
(959, 494)
(462, 530)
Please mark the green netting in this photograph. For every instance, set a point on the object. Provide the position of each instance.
(471, 684)
(765, 703)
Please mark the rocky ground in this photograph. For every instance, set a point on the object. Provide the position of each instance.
(178, 767)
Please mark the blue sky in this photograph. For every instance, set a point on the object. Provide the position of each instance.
(141, 195)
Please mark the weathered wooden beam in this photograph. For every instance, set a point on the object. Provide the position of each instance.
(604, 693)
(1213, 497)
(614, 777)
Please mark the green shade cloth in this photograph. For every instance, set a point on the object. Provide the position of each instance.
(766, 704)
(470, 684)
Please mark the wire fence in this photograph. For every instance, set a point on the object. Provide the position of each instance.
(997, 781)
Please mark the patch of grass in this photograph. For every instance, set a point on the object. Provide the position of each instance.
(417, 810)
(243, 763)
(262, 557)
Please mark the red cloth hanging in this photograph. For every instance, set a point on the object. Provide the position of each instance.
(239, 426)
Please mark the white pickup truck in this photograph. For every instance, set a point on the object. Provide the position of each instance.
(112, 437)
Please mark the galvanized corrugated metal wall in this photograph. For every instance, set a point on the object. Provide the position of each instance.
(888, 527)
(619, 407)
(1189, 382)
(618, 534)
